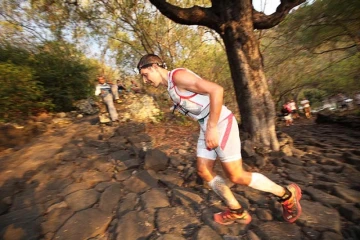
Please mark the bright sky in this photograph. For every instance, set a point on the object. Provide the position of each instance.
(268, 5)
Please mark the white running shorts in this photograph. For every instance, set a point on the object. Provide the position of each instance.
(229, 148)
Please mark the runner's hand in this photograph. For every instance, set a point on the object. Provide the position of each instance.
(212, 137)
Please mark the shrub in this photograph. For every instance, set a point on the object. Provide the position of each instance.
(20, 94)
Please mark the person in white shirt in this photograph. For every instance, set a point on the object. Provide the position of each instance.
(306, 105)
(294, 111)
(104, 90)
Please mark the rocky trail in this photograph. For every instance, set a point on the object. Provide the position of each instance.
(138, 181)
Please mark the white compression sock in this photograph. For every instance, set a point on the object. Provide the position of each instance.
(262, 183)
(219, 186)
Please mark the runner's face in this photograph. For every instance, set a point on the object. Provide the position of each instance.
(151, 76)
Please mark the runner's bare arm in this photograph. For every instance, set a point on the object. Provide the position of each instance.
(191, 82)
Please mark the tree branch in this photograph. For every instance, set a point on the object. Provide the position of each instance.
(29, 29)
(188, 16)
(285, 92)
(263, 21)
(334, 49)
(125, 42)
(316, 73)
(75, 2)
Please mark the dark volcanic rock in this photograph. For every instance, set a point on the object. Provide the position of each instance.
(278, 230)
(176, 220)
(135, 225)
(92, 222)
(316, 216)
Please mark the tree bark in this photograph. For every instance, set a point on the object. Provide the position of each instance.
(253, 96)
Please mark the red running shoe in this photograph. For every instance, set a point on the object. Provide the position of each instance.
(292, 207)
(227, 217)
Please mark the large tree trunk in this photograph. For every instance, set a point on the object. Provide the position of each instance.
(254, 99)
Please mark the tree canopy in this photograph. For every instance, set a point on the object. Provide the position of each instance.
(315, 48)
(51, 47)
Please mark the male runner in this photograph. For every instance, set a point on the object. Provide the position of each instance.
(202, 100)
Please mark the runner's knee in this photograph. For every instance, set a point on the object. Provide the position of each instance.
(205, 173)
(241, 178)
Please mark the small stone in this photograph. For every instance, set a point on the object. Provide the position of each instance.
(180, 168)
(7, 200)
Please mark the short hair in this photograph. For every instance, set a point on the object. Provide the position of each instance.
(148, 60)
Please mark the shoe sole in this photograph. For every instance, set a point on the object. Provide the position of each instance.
(298, 196)
(240, 221)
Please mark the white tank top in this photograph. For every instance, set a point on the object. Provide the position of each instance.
(194, 105)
